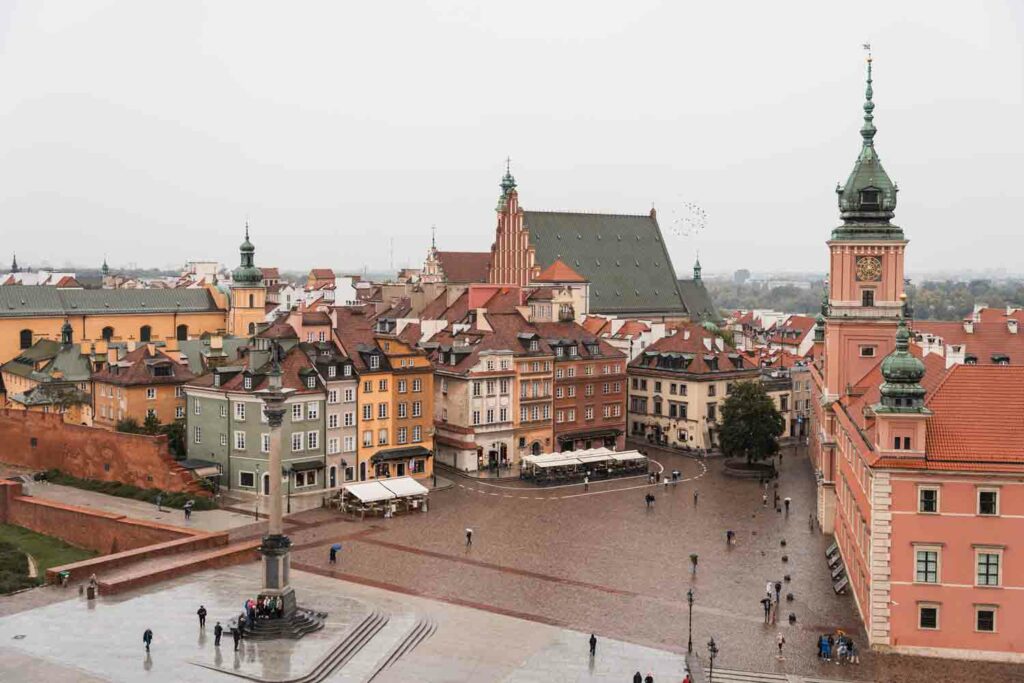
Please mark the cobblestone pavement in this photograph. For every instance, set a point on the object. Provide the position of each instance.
(600, 560)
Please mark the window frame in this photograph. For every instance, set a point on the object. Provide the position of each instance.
(938, 499)
(977, 497)
(998, 554)
(994, 609)
(921, 606)
(928, 548)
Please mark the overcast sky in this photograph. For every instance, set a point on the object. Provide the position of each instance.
(150, 131)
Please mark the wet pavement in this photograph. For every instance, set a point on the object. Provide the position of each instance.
(601, 560)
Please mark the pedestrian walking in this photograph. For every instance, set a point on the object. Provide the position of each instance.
(202, 616)
(810, 521)
(333, 557)
(649, 678)
(786, 501)
(687, 679)
(780, 641)
(778, 592)
(696, 494)
(767, 604)
(159, 501)
(586, 483)
(147, 638)
(649, 499)
(729, 535)
(593, 645)
(236, 635)
(638, 677)
(764, 499)
(768, 590)
(218, 631)
(469, 537)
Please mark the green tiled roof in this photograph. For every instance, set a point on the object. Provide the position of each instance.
(67, 360)
(699, 305)
(17, 301)
(623, 257)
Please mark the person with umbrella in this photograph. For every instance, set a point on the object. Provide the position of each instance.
(334, 553)
(188, 509)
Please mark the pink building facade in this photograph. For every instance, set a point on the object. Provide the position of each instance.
(920, 468)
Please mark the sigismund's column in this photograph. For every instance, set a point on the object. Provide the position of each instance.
(275, 546)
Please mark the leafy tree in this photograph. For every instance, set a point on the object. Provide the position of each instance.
(129, 425)
(151, 425)
(175, 432)
(751, 426)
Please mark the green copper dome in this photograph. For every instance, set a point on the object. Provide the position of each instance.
(902, 373)
(867, 201)
(819, 328)
(247, 272)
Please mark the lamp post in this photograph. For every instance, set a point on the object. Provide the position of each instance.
(712, 652)
(289, 475)
(259, 487)
(689, 639)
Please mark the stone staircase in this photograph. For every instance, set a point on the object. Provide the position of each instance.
(421, 630)
(298, 624)
(736, 676)
(158, 567)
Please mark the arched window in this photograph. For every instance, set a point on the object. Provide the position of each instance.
(535, 449)
(108, 333)
(266, 483)
(25, 339)
(182, 332)
(145, 333)
(252, 328)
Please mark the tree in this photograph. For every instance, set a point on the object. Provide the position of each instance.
(151, 425)
(175, 432)
(751, 426)
(129, 425)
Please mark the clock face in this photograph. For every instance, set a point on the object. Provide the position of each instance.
(869, 269)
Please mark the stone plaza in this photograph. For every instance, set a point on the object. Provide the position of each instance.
(547, 567)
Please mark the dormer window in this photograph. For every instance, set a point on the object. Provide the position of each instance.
(559, 351)
(216, 380)
(248, 382)
(348, 371)
(374, 362)
(332, 371)
(870, 199)
(573, 350)
(534, 345)
(310, 382)
(970, 360)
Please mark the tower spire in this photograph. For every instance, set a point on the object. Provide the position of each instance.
(433, 237)
(867, 131)
(14, 264)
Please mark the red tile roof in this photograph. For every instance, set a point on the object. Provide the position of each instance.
(989, 337)
(596, 325)
(137, 369)
(559, 272)
(689, 339)
(978, 415)
(322, 273)
(465, 266)
(270, 273)
(631, 329)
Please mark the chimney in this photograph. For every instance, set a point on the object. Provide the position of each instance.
(150, 349)
(968, 325)
(978, 308)
(111, 355)
(1011, 325)
(686, 334)
(216, 342)
(131, 345)
(481, 320)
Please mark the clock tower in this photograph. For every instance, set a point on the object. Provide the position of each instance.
(865, 291)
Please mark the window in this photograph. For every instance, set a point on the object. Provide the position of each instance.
(240, 412)
(588, 390)
(332, 396)
(375, 362)
(179, 392)
(197, 408)
(491, 387)
(988, 567)
(444, 414)
(559, 416)
(382, 385)
(348, 371)
(504, 386)
(523, 414)
(417, 385)
(570, 372)
(382, 411)
(349, 444)
(367, 387)
(107, 333)
(350, 473)
(311, 382)
(350, 395)
(867, 352)
(145, 333)
(402, 386)
(312, 440)
(927, 500)
(223, 439)
(403, 410)
(403, 435)
(367, 411)
(239, 441)
(264, 443)
(307, 478)
(985, 618)
(151, 393)
(712, 412)
(297, 412)
(179, 412)
(417, 408)
(928, 617)
(606, 388)
(150, 412)
(476, 416)
(572, 391)
(869, 199)
(901, 443)
(247, 382)
(570, 415)
(988, 502)
(223, 411)
(588, 413)
(332, 371)
(559, 392)
(444, 385)
(417, 434)
(382, 437)
(197, 434)
(477, 388)
(927, 566)
(297, 441)
(617, 410)
(503, 415)
(606, 411)
(711, 390)
(247, 479)
(867, 297)
(368, 438)
(332, 421)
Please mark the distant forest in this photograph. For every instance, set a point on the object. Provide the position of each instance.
(934, 300)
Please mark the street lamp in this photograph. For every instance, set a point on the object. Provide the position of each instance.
(259, 485)
(712, 652)
(289, 475)
(689, 639)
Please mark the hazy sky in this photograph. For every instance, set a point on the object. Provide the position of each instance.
(149, 131)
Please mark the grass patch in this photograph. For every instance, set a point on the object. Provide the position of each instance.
(116, 488)
(48, 552)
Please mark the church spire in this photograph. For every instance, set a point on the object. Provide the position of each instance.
(247, 272)
(696, 267)
(508, 184)
(14, 264)
(867, 131)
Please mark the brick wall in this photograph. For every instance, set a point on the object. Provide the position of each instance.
(95, 530)
(45, 442)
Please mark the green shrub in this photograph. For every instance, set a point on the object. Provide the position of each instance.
(116, 488)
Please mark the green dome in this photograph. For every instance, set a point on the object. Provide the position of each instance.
(247, 272)
(902, 372)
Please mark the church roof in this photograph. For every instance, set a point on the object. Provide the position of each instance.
(624, 258)
(697, 300)
(465, 266)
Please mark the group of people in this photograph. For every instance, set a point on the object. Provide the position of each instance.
(838, 647)
(771, 600)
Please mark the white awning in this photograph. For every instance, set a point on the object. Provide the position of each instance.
(369, 491)
(627, 456)
(405, 486)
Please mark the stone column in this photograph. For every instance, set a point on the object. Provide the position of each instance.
(275, 546)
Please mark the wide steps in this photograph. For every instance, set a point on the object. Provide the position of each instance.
(423, 629)
(298, 624)
(735, 676)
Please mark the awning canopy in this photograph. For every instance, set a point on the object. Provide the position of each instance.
(400, 454)
(201, 468)
(369, 491)
(405, 486)
(593, 434)
(307, 465)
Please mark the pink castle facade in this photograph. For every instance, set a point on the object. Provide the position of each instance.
(920, 467)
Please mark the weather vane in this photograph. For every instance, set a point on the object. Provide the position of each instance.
(867, 47)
